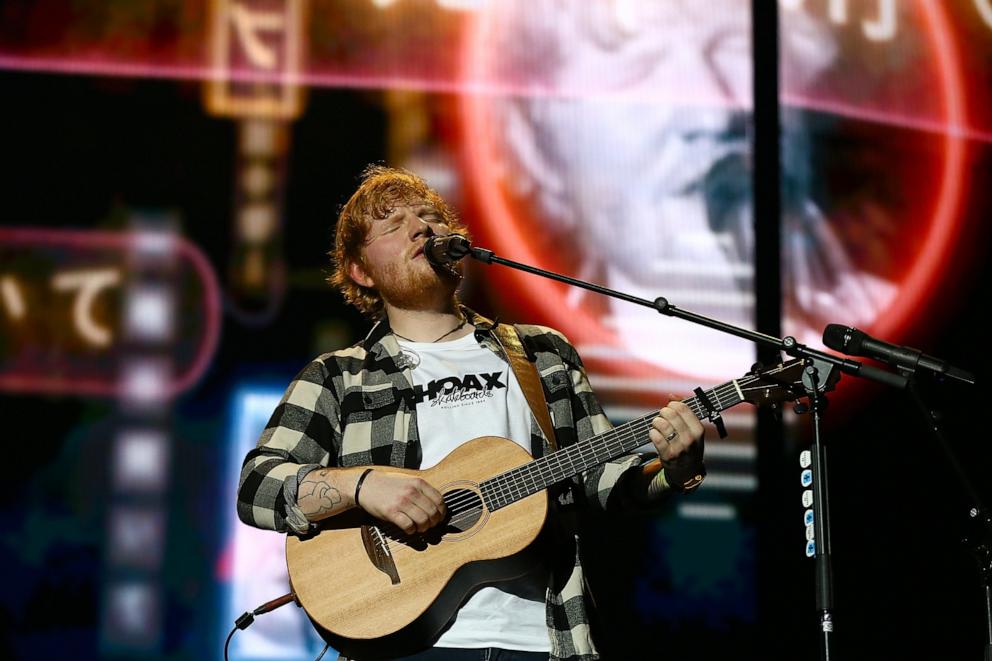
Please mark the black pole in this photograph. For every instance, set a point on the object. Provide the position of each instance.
(766, 179)
(777, 559)
(824, 581)
(988, 613)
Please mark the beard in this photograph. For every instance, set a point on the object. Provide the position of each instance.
(418, 288)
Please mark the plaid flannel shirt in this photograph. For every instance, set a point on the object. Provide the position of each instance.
(354, 407)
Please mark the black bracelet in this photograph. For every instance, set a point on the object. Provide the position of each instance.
(358, 486)
(685, 476)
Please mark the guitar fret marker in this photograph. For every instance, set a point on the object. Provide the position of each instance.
(738, 388)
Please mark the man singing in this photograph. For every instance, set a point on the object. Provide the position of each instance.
(430, 376)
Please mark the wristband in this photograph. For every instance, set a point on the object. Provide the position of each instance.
(685, 477)
(358, 486)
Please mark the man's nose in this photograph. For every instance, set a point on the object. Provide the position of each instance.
(417, 226)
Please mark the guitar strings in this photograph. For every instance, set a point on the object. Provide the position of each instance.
(500, 485)
(464, 504)
(633, 430)
(523, 478)
(514, 479)
(505, 483)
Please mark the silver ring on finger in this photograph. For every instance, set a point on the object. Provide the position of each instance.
(672, 436)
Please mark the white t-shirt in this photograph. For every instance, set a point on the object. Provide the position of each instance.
(466, 391)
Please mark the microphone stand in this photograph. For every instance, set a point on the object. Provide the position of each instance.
(979, 538)
(788, 345)
(818, 371)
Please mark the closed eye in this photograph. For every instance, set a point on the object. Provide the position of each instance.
(430, 215)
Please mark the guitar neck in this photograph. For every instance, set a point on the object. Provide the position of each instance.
(534, 476)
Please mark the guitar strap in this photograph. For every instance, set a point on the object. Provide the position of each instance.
(527, 377)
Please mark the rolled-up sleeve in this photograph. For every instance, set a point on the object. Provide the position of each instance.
(300, 437)
(599, 484)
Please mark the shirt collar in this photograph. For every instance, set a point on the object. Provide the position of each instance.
(381, 340)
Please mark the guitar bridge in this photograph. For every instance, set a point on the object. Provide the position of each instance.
(377, 548)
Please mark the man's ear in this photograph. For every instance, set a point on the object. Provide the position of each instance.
(357, 273)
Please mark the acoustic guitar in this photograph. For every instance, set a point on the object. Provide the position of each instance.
(373, 591)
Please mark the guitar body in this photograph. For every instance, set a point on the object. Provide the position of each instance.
(371, 590)
(377, 593)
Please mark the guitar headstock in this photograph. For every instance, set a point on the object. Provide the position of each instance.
(780, 383)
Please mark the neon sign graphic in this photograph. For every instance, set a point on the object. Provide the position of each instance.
(64, 331)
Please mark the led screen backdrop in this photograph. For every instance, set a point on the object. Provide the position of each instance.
(584, 125)
(173, 171)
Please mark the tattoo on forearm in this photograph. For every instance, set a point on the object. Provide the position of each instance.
(316, 496)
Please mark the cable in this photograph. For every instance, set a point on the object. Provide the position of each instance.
(248, 617)
(227, 643)
(243, 622)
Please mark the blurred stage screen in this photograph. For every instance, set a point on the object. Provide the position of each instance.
(610, 140)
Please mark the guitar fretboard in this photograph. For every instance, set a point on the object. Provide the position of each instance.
(506, 488)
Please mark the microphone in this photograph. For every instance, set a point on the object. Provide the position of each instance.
(858, 343)
(445, 250)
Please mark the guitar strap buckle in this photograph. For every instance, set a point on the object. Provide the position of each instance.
(711, 412)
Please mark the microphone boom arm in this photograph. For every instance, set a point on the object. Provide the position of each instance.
(788, 345)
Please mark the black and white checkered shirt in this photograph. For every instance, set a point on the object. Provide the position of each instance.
(355, 407)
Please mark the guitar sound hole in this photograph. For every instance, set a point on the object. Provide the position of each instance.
(464, 510)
